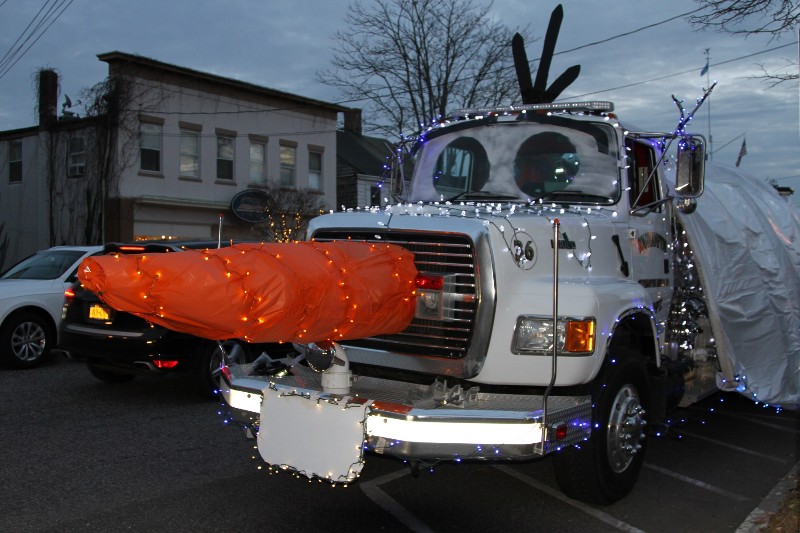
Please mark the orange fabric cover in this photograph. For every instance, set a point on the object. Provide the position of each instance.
(270, 292)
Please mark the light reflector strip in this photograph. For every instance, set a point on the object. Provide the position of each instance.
(460, 432)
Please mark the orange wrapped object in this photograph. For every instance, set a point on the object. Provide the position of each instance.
(270, 292)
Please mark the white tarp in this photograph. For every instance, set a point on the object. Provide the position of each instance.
(746, 242)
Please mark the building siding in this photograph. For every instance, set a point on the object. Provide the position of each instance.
(136, 204)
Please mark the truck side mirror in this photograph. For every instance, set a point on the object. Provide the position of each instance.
(690, 169)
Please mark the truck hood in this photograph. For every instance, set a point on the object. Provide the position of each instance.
(746, 243)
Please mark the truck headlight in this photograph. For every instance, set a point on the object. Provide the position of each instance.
(534, 336)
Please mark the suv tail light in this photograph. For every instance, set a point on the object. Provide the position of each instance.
(69, 295)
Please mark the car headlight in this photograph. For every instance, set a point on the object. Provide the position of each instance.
(533, 335)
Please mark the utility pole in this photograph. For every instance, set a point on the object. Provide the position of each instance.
(708, 84)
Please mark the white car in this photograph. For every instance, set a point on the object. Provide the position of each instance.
(31, 299)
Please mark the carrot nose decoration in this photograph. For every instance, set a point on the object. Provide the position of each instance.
(270, 292)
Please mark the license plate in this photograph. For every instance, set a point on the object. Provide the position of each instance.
(312, 436)
(98, 312)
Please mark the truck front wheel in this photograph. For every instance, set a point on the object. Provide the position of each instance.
(605, 468)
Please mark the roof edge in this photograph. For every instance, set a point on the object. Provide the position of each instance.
(117, 56)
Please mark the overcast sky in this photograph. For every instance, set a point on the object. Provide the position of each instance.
(282, 45)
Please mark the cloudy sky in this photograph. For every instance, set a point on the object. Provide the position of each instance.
(283, 45)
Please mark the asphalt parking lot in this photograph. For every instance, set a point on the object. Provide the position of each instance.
(150, 455)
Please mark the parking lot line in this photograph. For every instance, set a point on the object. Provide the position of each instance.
(753, 420)
(698, 483)
(734, 447)
(538, 485)
(373, 491)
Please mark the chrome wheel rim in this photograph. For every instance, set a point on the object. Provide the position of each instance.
(28, 341)
(232, 354)
(625, 431)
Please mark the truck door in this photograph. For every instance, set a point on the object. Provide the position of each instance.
(649, 234)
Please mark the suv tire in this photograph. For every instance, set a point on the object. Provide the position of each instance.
(25, 340)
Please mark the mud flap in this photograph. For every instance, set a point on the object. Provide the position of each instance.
(312, 434)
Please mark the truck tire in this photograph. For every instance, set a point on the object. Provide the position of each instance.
(605, 468)
(25, 340)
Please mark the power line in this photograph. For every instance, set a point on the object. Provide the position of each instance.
(587, 45)
(729, 142)
(603, 41)
(342, 102)
(4, 63)
(629, 32)
(679, 73)
(15, 54)
(11, 51)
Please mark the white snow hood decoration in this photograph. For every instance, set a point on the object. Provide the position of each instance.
(746, 243)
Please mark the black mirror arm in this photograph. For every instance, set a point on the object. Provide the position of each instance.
(643, 210)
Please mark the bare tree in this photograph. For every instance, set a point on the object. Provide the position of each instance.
(748, 17)
(78, 189)
(108, 102)
(753, 17)
(413, 61)
(287, 212)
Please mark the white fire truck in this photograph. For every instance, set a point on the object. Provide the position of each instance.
(558, 311)
(573, 285)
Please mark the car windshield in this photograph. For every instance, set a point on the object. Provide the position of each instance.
(48, 264)
(557, 161)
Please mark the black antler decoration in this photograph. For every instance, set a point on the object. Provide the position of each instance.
(538, 92)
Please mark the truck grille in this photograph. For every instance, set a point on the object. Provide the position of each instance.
(434, 253)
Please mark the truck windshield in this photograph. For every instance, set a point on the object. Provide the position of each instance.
(519, 160)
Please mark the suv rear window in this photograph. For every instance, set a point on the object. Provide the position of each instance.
(48, 264)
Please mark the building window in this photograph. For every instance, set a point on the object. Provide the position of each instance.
(288, 164)
(150, 146)
(258, 161)
(315, 171)
(224, 157)
(190, 153)
(15, 161)
(76, 157)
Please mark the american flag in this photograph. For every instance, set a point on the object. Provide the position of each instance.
(742, 152)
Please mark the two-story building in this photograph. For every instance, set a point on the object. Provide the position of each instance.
(162, 154)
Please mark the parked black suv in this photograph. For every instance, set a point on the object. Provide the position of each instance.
(118, 346)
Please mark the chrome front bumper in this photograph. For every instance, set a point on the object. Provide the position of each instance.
(420, 422)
